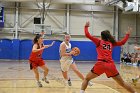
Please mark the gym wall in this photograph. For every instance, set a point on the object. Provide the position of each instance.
(20, 50)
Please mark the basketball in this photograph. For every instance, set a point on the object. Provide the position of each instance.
(77, 51)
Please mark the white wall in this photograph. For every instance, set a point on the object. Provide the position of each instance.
(9, 16)
(56, 17)
(126, 20)
(132, 20)
(98, 23)
(138, 25)
(101, 19)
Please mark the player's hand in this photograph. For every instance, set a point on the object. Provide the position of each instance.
(136, 48)
(129, 30)
(43, 47)
(87, 24)
(72, 52)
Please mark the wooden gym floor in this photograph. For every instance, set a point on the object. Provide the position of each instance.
(16, 77)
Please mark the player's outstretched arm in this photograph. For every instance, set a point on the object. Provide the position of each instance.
(136, 48)
(46, 46)
(124, 40)
(88, 35)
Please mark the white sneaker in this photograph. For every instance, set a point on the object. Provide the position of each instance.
(45, 79)
(90, 83)
(39, 84)
(134, 81)
(82, 91)
(69, 82)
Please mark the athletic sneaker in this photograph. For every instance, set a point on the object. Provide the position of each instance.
(45, 79)
(90, 83)
(39, 84)
(135, 81)
(69, 82)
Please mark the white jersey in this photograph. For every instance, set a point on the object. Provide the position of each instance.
(66, 61)
(68, 47)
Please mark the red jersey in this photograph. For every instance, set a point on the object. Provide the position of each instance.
(36, 55)
(104, 48)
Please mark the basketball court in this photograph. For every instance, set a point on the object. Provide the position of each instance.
(17, 78)
(22, 20)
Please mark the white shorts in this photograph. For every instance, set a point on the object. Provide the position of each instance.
(66, 61)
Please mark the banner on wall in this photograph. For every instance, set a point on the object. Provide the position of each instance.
(1, 17)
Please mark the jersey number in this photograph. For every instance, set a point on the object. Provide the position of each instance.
(106, 47)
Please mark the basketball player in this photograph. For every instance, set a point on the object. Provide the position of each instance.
(105, 63)
(67, 61)
(36, 58)
(135, 80)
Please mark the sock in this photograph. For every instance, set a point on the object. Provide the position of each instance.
(82, 91)
(38, 81)
(66, 81)
(69, 79)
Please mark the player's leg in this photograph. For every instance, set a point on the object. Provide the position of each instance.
(35, 70)
(65, 65)
(111, 71)
(46, 70)
(67, 78)
(78, 73)
(121, 82)
(89, 76)
(65, 75)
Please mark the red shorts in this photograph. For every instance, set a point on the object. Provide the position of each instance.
(35, 64)
(108, 68)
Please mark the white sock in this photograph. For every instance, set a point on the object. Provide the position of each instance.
(82, 91)
(66, 81)
(38, 81)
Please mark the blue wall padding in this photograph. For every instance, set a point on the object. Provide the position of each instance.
(87, 50)
(25, 49)
(15, 49)
(51, 53)
(21, 49)
(6, 49)
(116, 53)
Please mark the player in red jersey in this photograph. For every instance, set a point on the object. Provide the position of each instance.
(105, 63)
(36, 58)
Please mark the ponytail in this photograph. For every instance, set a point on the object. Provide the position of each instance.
(36, 38)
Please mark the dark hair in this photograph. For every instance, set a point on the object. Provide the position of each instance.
(107, 36)
(66, 33)
(36, 38)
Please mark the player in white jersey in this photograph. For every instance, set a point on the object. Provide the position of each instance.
(67, 61)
